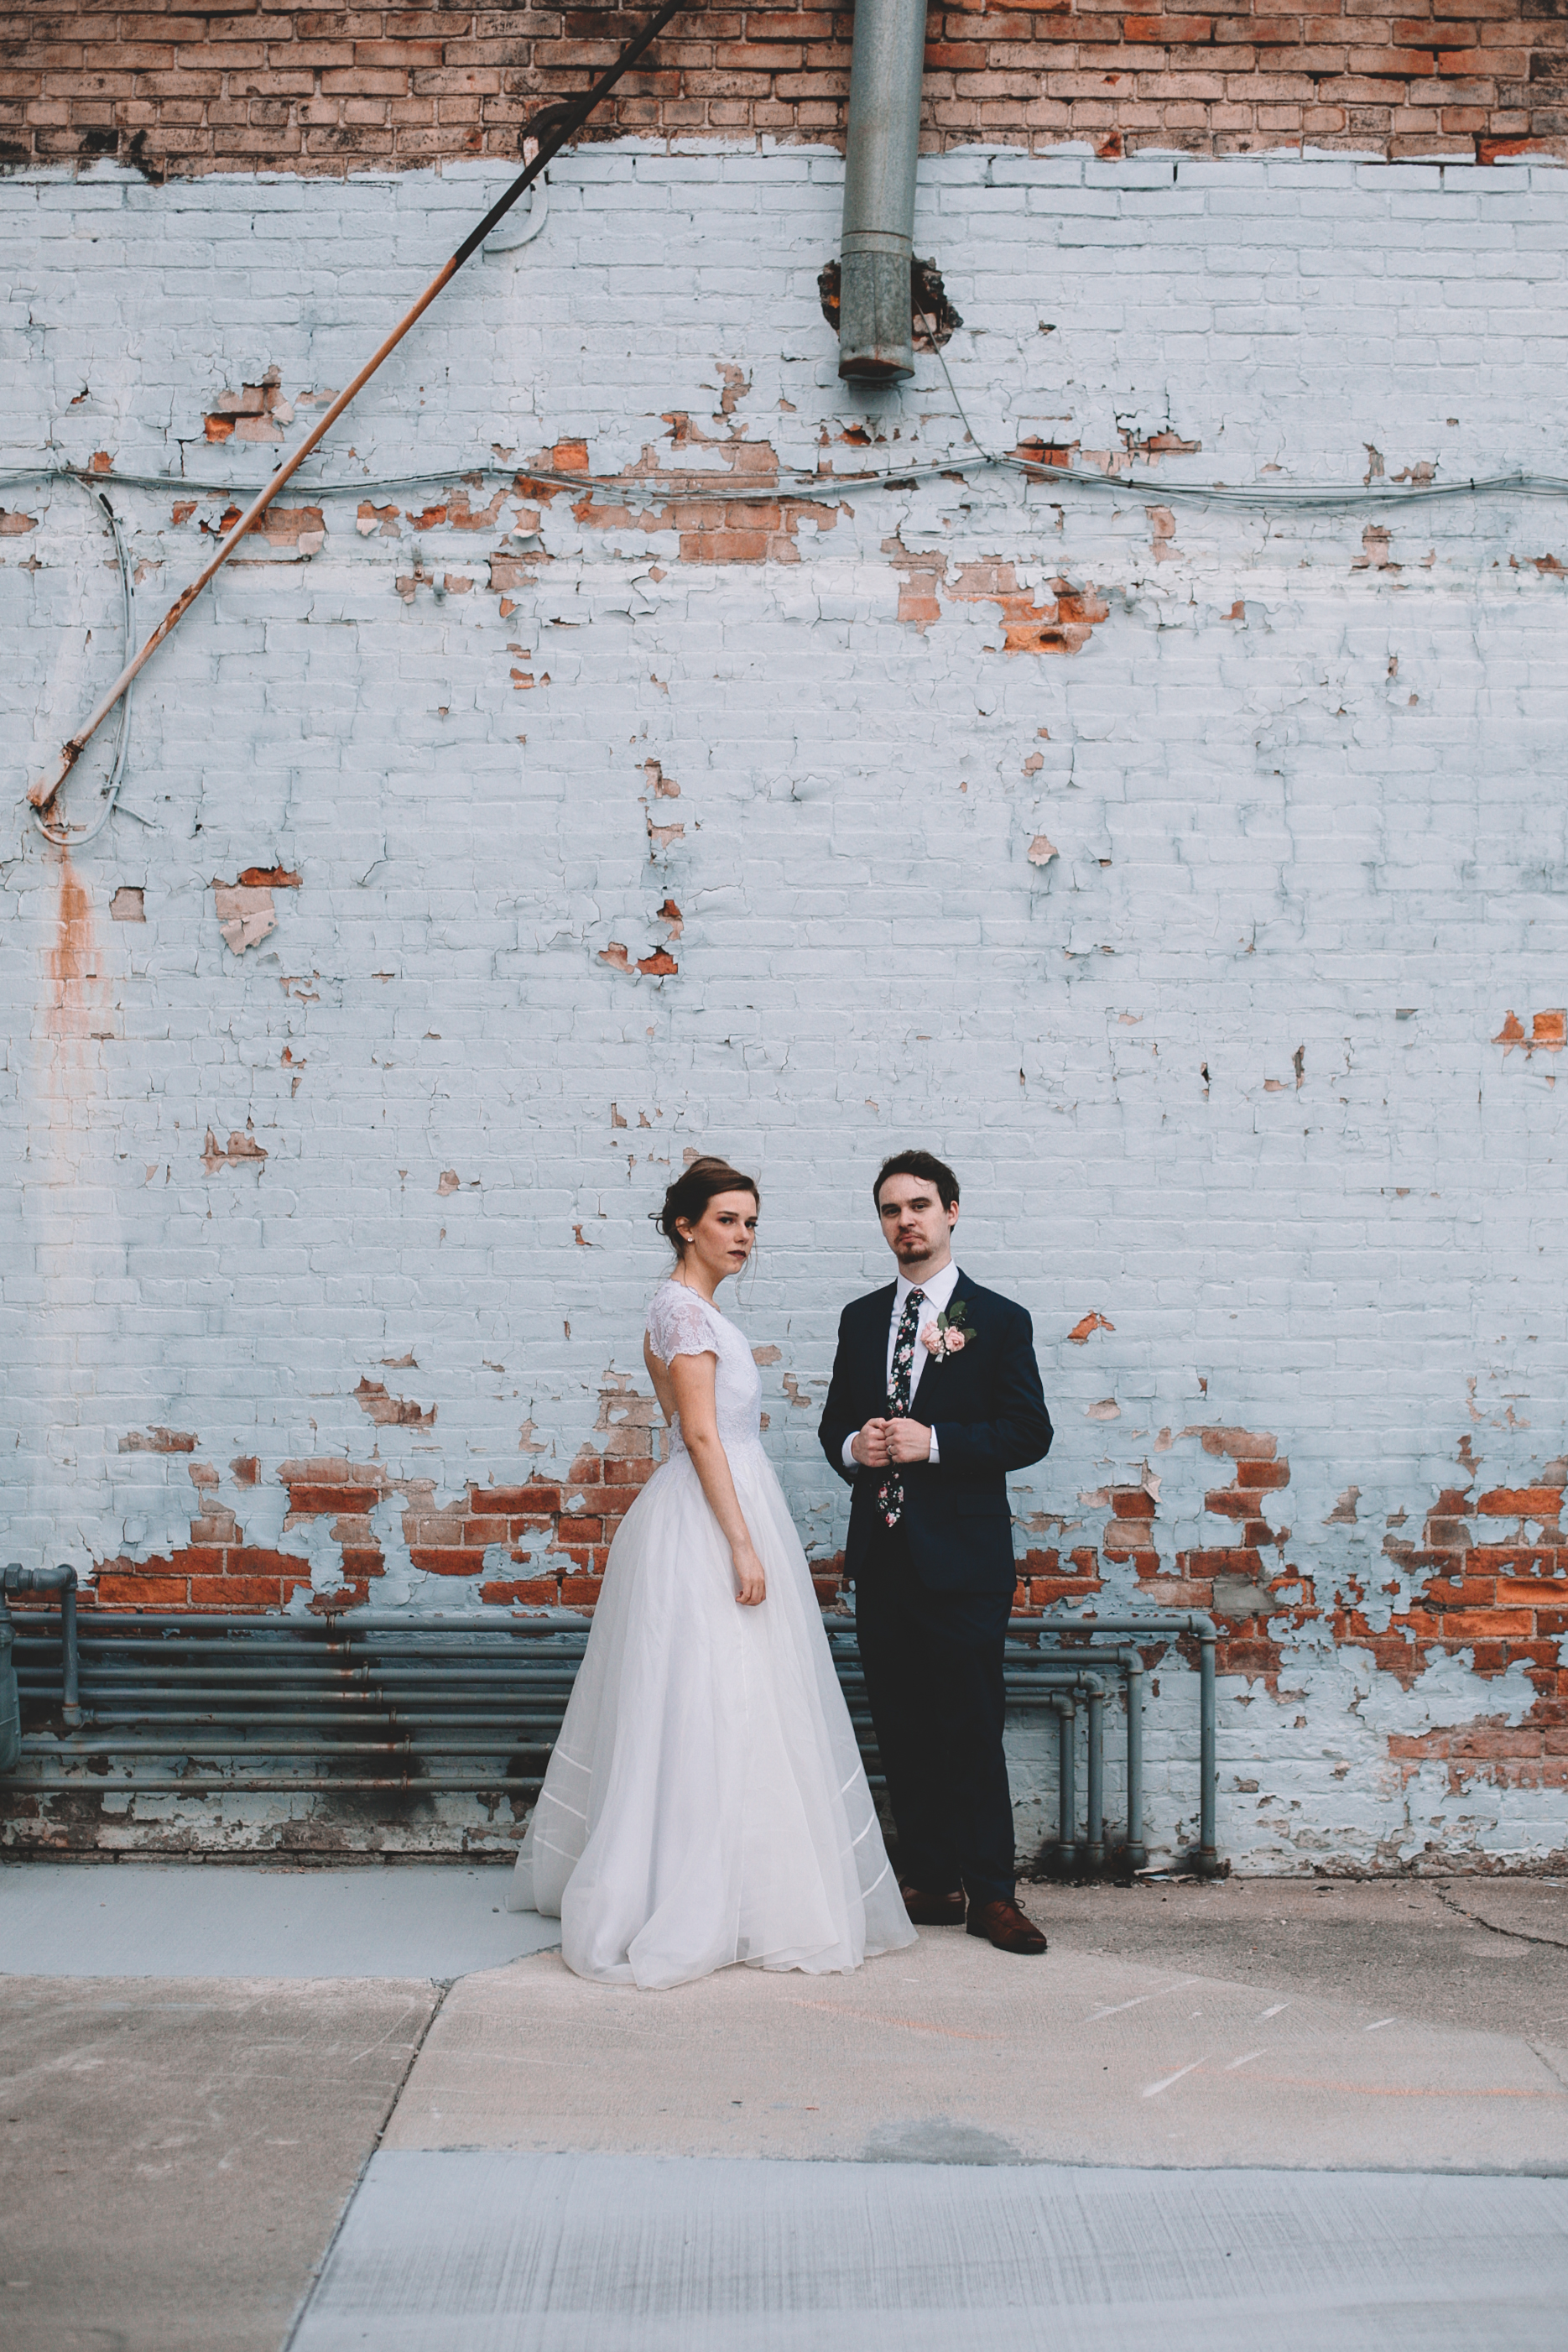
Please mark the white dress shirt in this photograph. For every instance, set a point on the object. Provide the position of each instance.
(938, 1290)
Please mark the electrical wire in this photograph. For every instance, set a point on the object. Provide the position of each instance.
(122, 739)
(788, 482)
(796, 482)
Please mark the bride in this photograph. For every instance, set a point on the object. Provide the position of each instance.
(706, 1802)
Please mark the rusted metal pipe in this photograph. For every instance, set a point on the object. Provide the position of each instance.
(565, 121)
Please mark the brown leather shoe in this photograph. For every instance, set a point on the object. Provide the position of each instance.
(1004, 1924)
(932, 1910)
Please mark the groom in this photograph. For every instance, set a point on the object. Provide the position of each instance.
(935, 1396)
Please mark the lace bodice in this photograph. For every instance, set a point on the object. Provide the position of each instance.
(682, 1323)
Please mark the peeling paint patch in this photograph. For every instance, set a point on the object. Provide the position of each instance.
(1548, 1032)
(241, 1150)
(1062, 623)
(256, 412)
(389, 1411)
(246, 913)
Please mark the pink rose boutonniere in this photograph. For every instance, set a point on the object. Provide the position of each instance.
(946, 1337)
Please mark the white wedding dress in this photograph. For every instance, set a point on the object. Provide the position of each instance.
(706, 1802)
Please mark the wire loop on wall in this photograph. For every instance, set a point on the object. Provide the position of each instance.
(73, 840)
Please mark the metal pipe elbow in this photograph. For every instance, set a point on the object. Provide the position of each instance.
(61, 1580)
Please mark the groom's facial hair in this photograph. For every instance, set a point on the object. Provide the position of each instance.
(910, 1227)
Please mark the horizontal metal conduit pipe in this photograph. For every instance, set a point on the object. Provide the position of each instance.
(198, 1784)
(171, 1669)
(358, 1665)
(187, 1745)
(432, 1721)
(121, 1705)
(356, 1683)
(342, 1624)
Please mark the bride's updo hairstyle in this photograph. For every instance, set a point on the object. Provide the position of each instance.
(692, 1190)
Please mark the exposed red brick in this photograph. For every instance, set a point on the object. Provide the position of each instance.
(300, 90)
(1522, 1502)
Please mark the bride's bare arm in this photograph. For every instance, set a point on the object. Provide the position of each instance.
(692, 1379)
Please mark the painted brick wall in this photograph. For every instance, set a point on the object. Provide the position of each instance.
(190, 86)
(1191, 874)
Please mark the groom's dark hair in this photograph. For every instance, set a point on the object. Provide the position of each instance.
(924, 1164)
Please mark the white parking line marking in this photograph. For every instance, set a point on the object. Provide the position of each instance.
(1121, 2005)
(1381, 2023)
(1279, 2005)
(1155, 2088)
(1246, 2061)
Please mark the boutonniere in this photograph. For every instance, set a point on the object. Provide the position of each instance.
(946, 1337)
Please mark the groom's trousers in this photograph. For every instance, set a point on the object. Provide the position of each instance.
(933, 1664)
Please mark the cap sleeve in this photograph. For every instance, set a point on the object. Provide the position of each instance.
(681, 1324)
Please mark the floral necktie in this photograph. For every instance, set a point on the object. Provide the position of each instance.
(890, 1494)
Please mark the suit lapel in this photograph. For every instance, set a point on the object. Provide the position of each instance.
(878, 1316)
(941, 1372)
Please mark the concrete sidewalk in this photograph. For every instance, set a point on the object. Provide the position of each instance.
(175, 2155)
(950, 2052)
(179, 2148)
(948, 2146)
(174, 1919)
(481, 2252)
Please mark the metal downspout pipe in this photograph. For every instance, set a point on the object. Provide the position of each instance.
(877, 249)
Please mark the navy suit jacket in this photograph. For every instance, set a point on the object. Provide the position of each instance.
(987, 1409)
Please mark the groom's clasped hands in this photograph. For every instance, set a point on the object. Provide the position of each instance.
(879, 1441)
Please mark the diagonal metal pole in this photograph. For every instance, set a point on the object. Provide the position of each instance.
(572, 116)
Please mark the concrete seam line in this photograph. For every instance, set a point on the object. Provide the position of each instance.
(443, 1986)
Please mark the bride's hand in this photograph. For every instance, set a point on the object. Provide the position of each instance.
(751, 1583)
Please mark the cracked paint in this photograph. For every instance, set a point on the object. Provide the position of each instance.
(1194, 890)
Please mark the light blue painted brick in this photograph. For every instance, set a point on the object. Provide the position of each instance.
(1276, 846)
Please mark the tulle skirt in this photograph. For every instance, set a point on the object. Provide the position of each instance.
(706, 1802)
